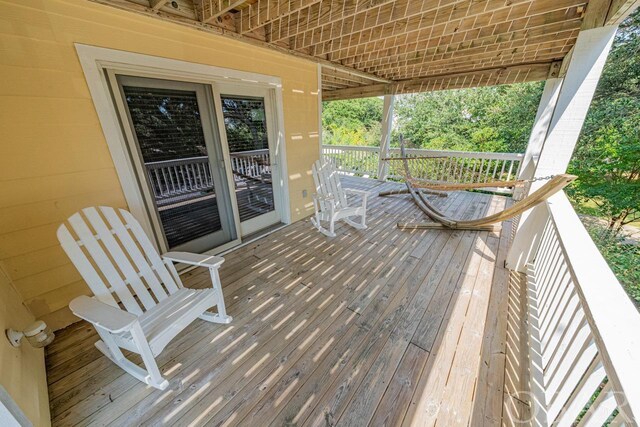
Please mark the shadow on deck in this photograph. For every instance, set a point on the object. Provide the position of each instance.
(373, 327)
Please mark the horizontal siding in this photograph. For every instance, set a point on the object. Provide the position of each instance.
(55, 159)
(22, 371)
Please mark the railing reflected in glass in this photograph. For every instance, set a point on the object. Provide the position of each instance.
(246, 129)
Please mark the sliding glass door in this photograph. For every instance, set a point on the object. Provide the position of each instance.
(204, 158)
(177, 151)
(248, 121)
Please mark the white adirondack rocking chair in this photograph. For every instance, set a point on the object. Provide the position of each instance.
(330, 200)
(114, 255)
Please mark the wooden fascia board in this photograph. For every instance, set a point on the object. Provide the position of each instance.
(620, 10)
(499, 73)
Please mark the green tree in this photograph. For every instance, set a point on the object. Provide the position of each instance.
(352, 122)
(497, 118)
(607, 157)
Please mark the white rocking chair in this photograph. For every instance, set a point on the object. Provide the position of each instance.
(330, 200)
(113, 254)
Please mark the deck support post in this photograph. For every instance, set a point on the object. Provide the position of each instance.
(320, 113)
(575, 92)
(385, 139)
(548, 102)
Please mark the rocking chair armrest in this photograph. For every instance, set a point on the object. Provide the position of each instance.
(323, 198)
(103, 315)
(363, 193)
(199, 260)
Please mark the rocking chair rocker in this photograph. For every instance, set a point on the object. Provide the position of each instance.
(113, 254)
(330, 201)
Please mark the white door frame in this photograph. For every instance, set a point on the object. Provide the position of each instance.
(96, 60)
(254, 224)
(205, 105)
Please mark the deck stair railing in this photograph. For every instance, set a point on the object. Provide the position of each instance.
(584, 339)
(183, 178)
(434, 165)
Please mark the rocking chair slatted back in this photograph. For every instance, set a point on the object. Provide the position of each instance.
(124, 260)
(328, 183)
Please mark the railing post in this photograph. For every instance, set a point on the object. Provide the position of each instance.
(385, 140)
(572, 103)
(527, 238)
(539, 131)
(574, 98)
(320, 153)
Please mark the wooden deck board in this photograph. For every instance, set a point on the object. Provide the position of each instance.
(365, 328)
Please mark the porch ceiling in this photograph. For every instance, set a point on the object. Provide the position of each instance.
(375, 47)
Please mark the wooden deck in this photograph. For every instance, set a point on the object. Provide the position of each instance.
(373, 327)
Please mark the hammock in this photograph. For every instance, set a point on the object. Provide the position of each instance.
(416, 188)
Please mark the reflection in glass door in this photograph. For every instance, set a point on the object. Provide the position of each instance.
(180, 158)
(246, 129)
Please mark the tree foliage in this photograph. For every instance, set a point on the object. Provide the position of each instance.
(607, 157)
(352, 122)
(481, 119)
(497, 118)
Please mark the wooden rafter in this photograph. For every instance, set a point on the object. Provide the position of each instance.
(486, 77)
(266, 12)
(373, 47)
(620, 9)
(217, 8)
(387, 49)
(157, 4)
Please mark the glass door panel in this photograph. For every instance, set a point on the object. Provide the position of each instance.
(173, 130)
(248, 139)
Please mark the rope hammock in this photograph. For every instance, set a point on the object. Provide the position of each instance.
(418, 188)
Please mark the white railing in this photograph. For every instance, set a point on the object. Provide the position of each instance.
(251, 164)
(584, 330)
(172, 178)
(434, 165)
(192, 176)
(361, 161)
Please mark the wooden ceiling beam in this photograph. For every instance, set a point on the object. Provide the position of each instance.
(506, 57)
(421, 40)
(620, 10)
(342, 81)
(430, 49)
(444, 64)
(404, 18)
(400, 44)
(600, 13)
(403, 74)
(358, 23)
(157, 4)
(368, 77)
(264, 12)
(554, 48)
(411, 17)
(596, 14)
(345, 13)
(217, 8)
(214, 29)
(352, 79)
(486, 77)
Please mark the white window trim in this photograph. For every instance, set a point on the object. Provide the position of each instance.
(94, 60)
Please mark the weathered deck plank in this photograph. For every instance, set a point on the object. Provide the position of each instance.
(360, 329)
